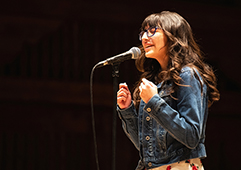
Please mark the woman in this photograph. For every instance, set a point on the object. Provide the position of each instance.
(166, 119)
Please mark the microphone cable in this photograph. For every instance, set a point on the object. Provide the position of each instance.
(93, 118)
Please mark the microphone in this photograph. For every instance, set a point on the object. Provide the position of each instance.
(133, 53)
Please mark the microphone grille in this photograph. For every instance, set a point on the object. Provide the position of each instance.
(136, 52)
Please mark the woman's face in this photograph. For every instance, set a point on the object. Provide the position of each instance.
(156, 45)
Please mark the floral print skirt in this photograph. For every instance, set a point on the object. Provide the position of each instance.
(192, 164)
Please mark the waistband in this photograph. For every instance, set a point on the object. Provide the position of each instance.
(183, 165)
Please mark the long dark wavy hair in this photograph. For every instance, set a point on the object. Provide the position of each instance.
(182, 51)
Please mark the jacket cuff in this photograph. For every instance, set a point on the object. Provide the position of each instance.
(151, 106)
(127, 111)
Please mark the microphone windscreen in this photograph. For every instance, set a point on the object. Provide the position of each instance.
(136, 52)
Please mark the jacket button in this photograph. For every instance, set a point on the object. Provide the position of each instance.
(147, 137)
(149, 164)
(148, 118)
(148, 109)
(161, 93)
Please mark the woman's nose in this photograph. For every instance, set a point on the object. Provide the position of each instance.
(144, 36)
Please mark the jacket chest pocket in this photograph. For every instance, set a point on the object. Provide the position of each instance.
(161, 139)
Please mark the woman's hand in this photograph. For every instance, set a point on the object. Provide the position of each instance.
(147, 90)
(123, 96)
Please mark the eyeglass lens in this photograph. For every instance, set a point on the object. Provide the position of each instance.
(150, 32)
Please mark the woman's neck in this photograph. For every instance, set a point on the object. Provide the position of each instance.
(163, 61)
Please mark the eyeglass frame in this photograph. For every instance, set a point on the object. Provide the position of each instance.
(147, 32)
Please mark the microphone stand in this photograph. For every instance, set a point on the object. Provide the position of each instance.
(115, 75)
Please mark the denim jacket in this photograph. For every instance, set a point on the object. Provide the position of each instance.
(169, 128)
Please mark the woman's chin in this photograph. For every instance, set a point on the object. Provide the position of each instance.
(149, 54)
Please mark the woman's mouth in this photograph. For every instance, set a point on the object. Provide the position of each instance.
(148, 47)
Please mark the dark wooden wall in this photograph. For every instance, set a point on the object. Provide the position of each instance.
(47, 51)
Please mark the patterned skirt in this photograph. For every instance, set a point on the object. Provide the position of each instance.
(192, 164)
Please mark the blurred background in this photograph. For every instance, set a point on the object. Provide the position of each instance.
(47, 51)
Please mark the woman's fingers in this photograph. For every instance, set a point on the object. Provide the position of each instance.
(147, 90)
(123, 96)
(147, 82)
(122, 93)
(123, 85)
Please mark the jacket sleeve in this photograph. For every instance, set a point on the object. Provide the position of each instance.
(184, 123)
(129, 120)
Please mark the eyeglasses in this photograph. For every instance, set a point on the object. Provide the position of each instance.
(149, 32)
